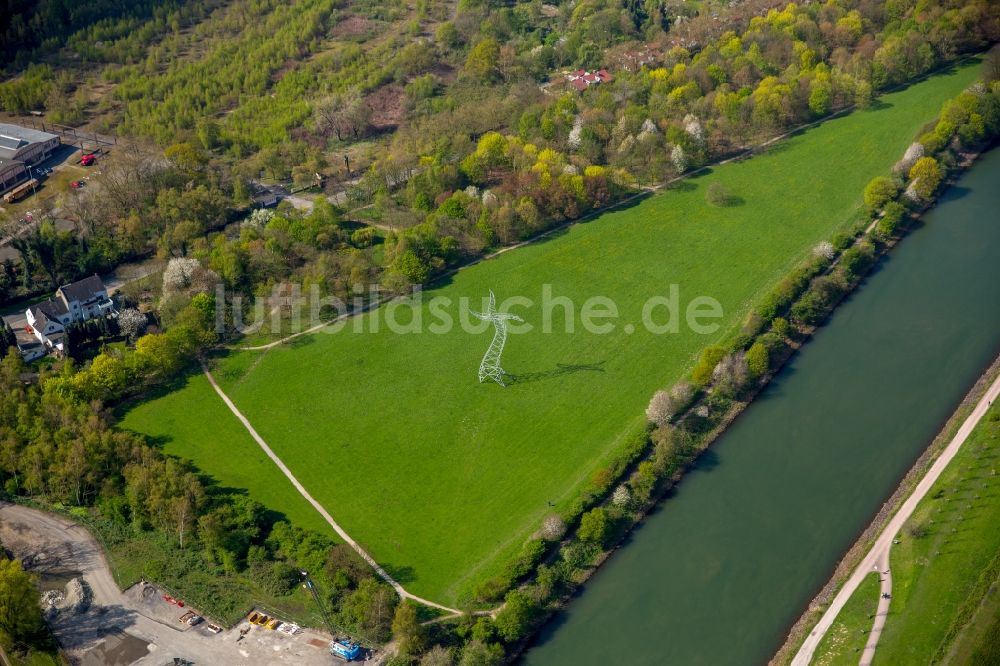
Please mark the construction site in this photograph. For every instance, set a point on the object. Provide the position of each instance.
(97, 624)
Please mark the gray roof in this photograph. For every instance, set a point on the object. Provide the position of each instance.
(47, 310)
(12, 143)
(82, 290)
(25, 135)
(15, 137)
(52, 308)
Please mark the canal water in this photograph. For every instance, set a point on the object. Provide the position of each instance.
(719, 573)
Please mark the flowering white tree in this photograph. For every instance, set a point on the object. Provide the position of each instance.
(627, 144)
(910, 157)
(665, 404)
(825, 250)
(648, 129)
(259, 218)
(679, 159)
(180, 273)
(693, 127)
(553, 527)
(621, 496)
(131, 323)
(573, 140)
(732, 372)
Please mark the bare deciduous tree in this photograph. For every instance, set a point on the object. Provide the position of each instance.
(343, 116)
(130, 178)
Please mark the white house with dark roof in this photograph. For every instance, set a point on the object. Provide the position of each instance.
(82, 300)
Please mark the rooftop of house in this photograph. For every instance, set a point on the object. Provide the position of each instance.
(50, 308)
(587, 77)
(83, 290)
(46, 311)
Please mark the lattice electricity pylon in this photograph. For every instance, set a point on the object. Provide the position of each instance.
(490, 366)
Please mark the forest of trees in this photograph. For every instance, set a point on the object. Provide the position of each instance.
(479, 155)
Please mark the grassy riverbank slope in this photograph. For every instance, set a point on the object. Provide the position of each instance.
(441, 478)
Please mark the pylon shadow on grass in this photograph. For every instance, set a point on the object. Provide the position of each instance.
(560, 370)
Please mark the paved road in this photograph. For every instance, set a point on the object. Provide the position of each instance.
(47, 542)
(878, 556)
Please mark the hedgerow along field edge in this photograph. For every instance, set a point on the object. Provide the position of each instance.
(441, 478)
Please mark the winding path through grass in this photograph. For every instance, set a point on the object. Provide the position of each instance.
(400, 590)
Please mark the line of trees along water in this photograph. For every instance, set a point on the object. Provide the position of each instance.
(719, 574)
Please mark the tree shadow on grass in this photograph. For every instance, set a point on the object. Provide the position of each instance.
(214, 488)
(728, 200)
(156, 391)
(683, 185)
(401, 574)
(560, 370)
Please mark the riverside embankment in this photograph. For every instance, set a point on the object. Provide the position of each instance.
(721, 571)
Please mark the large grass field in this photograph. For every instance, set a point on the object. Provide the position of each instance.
(443, 478)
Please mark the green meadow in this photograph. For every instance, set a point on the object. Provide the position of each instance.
(443, 478)
(196, 429)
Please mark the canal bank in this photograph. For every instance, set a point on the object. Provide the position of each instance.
(721, 571)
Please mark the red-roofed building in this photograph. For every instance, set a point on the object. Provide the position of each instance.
(582, 79)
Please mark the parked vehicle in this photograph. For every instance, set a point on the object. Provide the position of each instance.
(88, 159)
(76, 184)
(214, 628)
(195, 620)
(273, 624)
(21, 190)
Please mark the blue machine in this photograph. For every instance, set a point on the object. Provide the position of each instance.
(345, 650)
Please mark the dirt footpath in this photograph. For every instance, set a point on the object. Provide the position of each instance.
(114, 628)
